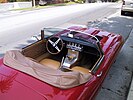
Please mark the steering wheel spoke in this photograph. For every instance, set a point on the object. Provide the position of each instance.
(57, 41)
(51, 42)
(54, 45)
(57, 48)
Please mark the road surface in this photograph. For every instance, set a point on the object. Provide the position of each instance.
(17, 28)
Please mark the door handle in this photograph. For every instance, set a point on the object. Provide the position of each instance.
(100, 74)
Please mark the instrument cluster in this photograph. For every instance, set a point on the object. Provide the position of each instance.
(74, 46)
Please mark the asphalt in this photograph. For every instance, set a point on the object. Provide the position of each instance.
(117, 83)
(118, 80)
(130, 43)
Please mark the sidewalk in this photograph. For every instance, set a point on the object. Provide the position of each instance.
(130, 93)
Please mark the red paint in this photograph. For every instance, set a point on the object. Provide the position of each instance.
(16, 85)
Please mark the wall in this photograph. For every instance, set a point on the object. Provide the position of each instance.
(14, 5)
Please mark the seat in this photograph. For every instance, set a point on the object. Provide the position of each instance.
(50, 63)
(80, 69)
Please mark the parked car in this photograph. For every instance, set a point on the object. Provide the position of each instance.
(42, 2)
(127, 6)
(65, 64)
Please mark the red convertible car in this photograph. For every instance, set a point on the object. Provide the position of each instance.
(65, 64)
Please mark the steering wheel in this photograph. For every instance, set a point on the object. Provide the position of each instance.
(54, 45)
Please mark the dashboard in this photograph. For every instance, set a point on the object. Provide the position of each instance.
(80, 45)
(74, 46)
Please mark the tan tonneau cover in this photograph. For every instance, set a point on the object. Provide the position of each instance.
(57, 78)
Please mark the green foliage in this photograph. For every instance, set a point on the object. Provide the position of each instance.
(18, 0)
(79, 1)
(22, 0)
(11, 0)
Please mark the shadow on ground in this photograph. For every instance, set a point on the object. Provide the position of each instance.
(116, 85)
(119, 25)
(17, 46)
(28, 42)
(128, 14)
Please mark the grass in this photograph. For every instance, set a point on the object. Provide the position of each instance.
(42, 7)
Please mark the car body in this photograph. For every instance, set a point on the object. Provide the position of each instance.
(42, 2)
(127, 6)
(73, 50)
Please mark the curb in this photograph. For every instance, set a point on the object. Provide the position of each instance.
(130, 93)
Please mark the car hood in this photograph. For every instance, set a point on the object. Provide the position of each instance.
(20, 86)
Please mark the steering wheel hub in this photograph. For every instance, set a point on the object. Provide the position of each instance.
(54, 45)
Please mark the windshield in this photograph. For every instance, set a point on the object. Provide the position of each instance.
(51, 31)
